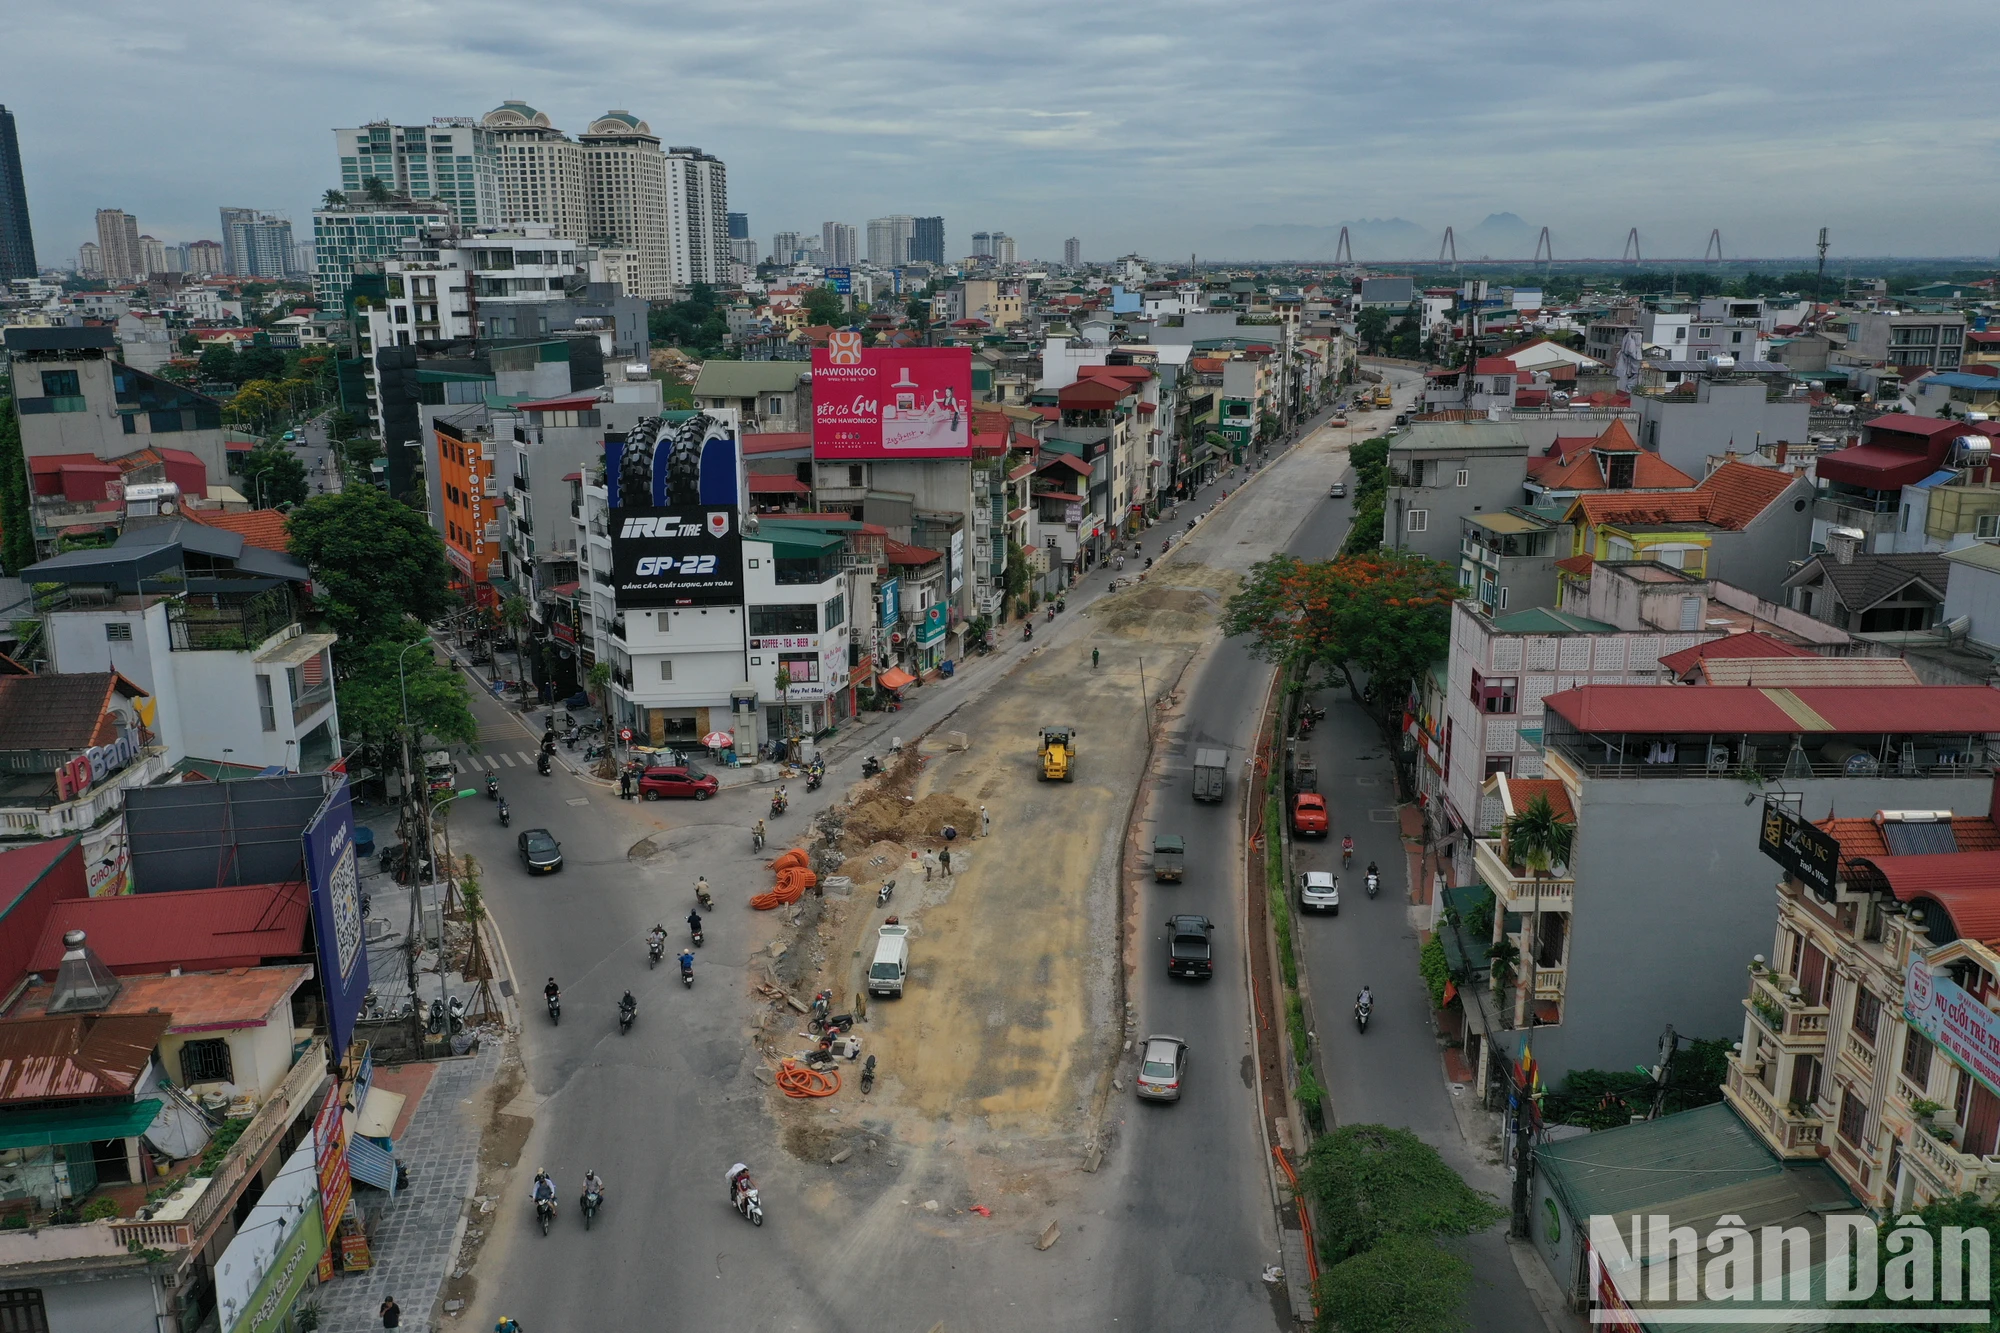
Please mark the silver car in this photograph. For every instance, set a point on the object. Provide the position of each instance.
(1161, 1066)
(1319, 891)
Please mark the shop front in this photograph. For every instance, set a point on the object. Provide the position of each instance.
(276, 1253)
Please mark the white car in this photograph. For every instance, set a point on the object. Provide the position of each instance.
(1319, 891)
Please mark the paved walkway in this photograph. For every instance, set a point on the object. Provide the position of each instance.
(416, 1234)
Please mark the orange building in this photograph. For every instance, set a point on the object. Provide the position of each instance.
(468, 511)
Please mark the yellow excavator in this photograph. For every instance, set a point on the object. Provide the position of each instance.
(1058, 754)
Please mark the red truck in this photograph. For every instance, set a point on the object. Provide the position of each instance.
(1309, 815)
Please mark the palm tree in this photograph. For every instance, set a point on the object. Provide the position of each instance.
(375, 190)
(1539, 839)
(333, 199)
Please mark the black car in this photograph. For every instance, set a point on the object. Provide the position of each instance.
(540, 852)
(1189, 953)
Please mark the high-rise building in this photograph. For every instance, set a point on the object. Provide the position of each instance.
(541, 171)
(746, 251)
(204, 258)
(256, 244)
(1003, 248)
(118, 245)
(836, 243)
(739, 226)
(1072, 253)
(784, 247)
(889, 239)
(452, 159)
(89, 260)
(698, 198)
(359, 232)
(625, 179)
(17, 240)
(982, 245)
(927, 240)
(152, 255)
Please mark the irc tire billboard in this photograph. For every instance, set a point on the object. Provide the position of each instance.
(888, 402)
(675, 485)
(336, 910)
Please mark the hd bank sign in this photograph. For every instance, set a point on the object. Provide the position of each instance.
(1854, 1272)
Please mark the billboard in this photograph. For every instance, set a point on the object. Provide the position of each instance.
(1808, 854)
(891, 402)
(675, 485)
(336, 909)
(842, 280)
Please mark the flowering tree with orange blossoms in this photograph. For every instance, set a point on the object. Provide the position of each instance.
(1376, 621)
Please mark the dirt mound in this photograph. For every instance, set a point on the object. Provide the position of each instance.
(1158, 610)
(874, 863)
(912, 823)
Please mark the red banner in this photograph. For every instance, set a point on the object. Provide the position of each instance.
(330, 1156)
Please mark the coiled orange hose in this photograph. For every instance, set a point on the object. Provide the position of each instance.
(801, 1081)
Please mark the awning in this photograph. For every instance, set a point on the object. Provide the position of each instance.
(895, 678)
(768, 484)
(44, 1129)
(1871, 467)
(378, 1114)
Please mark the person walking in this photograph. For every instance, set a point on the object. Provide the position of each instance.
(985, 822)
(392, 1313)
(944, 860)
(1093, 659)
(930, 864)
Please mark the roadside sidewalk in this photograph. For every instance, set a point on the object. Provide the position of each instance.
(414, 1236)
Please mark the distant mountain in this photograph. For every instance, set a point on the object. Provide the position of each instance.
(1501, 236)
(1373, 240)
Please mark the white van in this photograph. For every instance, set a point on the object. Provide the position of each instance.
(892, 961)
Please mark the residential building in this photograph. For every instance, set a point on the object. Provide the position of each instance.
(927, 240)
(1886, 594)
(1845, 1055)
(1742, 524)
(698, 205)
(89, 260)
(889, 240)
(625, 189)
(118, 246)
(739, 226)
(74, 745)
(232, 674)
(982, 245)
(1952, 393)
(540, 171)
(1443, 472)
(1972, 595)
(17, 237)
(769, 396)
(1507, 559)
(454, 160)
(837, 244)
(1607, 461)
(1072, 253)
(1004, 253)
(1605, 335)
(1903, 338)
(1655, 780)
(256, 245)
(204, 258)
(1913, 484)
(346, 235)
(784, 247)
(74, 398)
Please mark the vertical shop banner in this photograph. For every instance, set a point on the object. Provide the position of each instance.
(330, 1159)
(336, 908)
(887, 402)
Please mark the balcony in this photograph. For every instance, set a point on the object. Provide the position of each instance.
(1789, 1133)
(491, 532)
(618, 628)
(1516, 891)
(1796, 1025)
(311, 702)
(1954, 1172)
(1855, 512)
(210, 624)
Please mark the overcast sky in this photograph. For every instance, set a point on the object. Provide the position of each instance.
(1164, 127)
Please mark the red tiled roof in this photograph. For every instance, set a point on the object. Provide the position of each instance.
(242, 997)
(1525, 790)
(775, 441)
(1089, 394)
(763, 484)
(1493, 365)
(1576, 564)
(1965, 884)
(200, 930)
(1729, 497)
(257, 527)
(1958, 709)
(1747, 644)
(902, 553)
(1071, 461)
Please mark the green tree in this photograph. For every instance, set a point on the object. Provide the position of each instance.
(1538, 837)
(823, 306)
(17, 529)
(333, 199)
(696, 325)
(357, 456)
(258, 404)
(260, 360)
(1371, 326)
(372, 694)
(218, 363)
(1370, 460)
(188, 344)
(1406, 1284)
(374, 190)
(376, 563)
(273, 477)
(598, 682)
(1371, 1182)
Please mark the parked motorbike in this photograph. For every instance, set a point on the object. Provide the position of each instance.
(831, 1023)
(437, 1019)
(593, 754)
(628, 1009)
(871, 767)
(592, 1201)
(883, 894)
(456, 1012)
(868, 1075)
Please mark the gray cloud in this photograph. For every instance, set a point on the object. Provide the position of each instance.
(1163, 127)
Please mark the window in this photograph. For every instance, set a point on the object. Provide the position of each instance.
(1737, 336)
(855, 475)
(835, 612)
(1499, 763)
(21, 1311)
(1496, 694)
(206, 1062)
(769, 620)
(1503, 599)
(1916, 1059)
(1805, 1080)
(1867, 1015)
(1464, 477)
(1853, 1116)
(266, 711)
(666, 668)
(118, 633)
(774, 405)
(1815, 976)
(1417, 520)
(1690, 613)
(60, 384)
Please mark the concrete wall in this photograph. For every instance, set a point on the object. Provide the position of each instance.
(1758, 559)
(1720, 418)
(1494, 483)
(1975, 592)
(97, 1306)
(1673, 898)
(259, 1057)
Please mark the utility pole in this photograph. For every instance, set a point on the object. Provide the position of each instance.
(1819, 286)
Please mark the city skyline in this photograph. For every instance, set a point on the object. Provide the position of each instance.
(1650, 122)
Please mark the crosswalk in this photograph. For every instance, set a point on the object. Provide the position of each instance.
(483, 763)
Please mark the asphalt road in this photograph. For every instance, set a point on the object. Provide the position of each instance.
(1171, 1234)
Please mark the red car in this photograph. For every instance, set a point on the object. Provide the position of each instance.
(1309, 815)
(657, 782)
